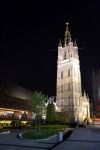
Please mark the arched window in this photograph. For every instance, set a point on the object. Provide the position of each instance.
(61, 88)
(64, 55)
(68, 72)
(69, 86)
(61, 74)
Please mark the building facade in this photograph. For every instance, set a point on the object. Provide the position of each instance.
(14, 101)
(69, 93)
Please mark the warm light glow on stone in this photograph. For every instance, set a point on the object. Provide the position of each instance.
(69, 93)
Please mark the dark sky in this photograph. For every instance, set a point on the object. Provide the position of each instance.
(30, 31)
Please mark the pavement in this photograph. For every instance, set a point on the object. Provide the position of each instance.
(80, 139)
(10, 141)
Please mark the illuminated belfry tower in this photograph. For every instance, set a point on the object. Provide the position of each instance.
(68, 78)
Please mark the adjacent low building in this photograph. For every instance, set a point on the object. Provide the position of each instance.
(14, 101)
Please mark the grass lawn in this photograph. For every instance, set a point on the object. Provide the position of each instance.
(44, 132)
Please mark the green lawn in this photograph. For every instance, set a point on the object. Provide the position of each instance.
(44, 132)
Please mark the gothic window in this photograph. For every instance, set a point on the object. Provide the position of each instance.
(69, 86)
(75, 100)
(64, 55)
(74, 53)
(69, 97)
(61, 75)
(71, 71)
(68, 72)
(79, 102)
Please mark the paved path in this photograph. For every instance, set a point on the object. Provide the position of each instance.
(11, 142)
(82, 139)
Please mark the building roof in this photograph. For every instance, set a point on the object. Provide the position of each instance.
(10, 102)
(14, 90)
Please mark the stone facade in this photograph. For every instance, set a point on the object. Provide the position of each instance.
(69, 93)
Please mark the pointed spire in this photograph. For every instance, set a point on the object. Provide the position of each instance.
(84, 93)
(60, 44)
(64, 42)
(67, 34)
(87, 96)
(75, 44)
(67, 29)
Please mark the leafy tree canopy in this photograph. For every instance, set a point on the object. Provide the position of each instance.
(38, 100)
(50, 112)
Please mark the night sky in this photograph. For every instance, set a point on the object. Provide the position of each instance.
(29, 37)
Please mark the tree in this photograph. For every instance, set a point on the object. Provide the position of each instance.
(37, 102)
(50, 114)
(62, 117)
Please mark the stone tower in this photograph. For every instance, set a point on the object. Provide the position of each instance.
(69, 94)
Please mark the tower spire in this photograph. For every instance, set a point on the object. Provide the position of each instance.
(67, 26)
(75, 44)
(60, 44)
(67, 34)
